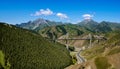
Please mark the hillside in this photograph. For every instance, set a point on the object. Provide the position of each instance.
(23, 49)
(106, 54)
(60, 30)
(80, 30)
(66, 31)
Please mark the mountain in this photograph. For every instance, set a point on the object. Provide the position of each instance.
(61, 30)
(103, 27)
(37, 24)
(67, 30)
(114, 26)
(88, 23)
(24, 49)
(78, 30)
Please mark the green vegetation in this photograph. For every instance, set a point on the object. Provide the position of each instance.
(102, 63)
(4, 64)
(103, 27)
(2, 60)
(89, 24)
(60, 30)
(101, 52)
(26, 50)
(106, 47)
(74, 59)
(71, 48)
(114, 39)
(93, 52)
(38, 24)
(114, 51)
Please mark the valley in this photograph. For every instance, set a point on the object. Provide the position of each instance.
(88, 42)
(59, 46)
(59, 34)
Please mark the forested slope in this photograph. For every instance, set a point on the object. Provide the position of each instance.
(22, 49)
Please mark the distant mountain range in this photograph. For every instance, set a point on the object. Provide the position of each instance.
(100, 27)
(54, 30)
(90, 24)
(38, 24)
(57, 29)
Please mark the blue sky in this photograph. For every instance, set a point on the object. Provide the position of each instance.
(19, 11)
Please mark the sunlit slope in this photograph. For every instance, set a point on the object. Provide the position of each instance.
(26, 50)
(106, 54)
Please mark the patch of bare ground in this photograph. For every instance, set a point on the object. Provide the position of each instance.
(76, 66)
(90, 64)
(79, 66)
(86, 65)
(114, 60)
(78, 43)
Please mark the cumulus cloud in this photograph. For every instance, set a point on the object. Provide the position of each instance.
(45, 12)
(87, 16)
(62, 16)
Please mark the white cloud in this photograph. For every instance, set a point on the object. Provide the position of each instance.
(62, 16)
(43, 12)
(87, 16)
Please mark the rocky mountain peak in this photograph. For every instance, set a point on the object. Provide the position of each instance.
(39, 21)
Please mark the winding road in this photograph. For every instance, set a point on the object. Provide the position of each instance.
(79, 58)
